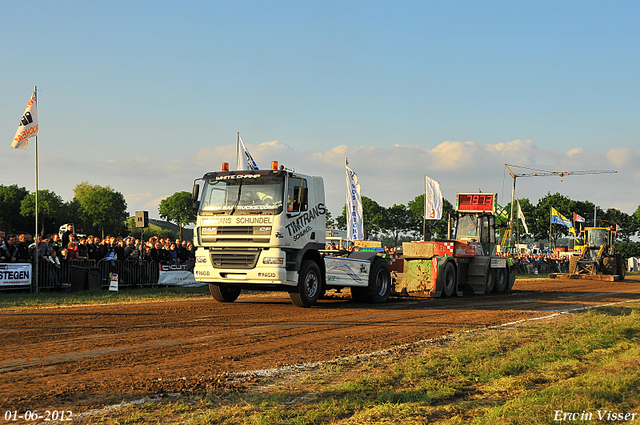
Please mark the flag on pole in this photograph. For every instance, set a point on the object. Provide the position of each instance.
(28, 125)
(558, 218)
(521, 217)
(355, 221)
(618, 228)
(245, 160)
(578, 218)
(432, 199)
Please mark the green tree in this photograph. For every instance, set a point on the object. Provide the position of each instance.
(178, 208)
(372, 217)
(432, 228)
(10, 205)
(106, 209)
(398, 220)
(49, 209)
(613, 217)
(563, 205)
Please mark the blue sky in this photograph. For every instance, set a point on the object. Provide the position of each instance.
(147, 96)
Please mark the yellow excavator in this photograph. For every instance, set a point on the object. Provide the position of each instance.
(597, 254)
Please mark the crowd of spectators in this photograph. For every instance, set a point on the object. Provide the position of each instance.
(537, 263)
(22, 249)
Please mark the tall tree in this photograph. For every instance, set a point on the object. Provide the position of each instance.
(10, 204)
(563, 205)
(397, 220)
(372, 216)
(106, 209)
(178, 208)
(49, 209)
(432, 228)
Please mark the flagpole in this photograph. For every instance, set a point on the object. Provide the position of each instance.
(550, 223)
(238, 151)
(37, 250)
(424, 216)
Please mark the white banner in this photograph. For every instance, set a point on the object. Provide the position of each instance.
(28, 125)
(245, 160)
(15, 274)
(521, 217)
(178, 278)
(355, 221)
(432, 199)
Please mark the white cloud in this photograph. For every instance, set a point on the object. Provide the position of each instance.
(388, 175)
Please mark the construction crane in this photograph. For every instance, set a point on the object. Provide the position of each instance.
(541, 173)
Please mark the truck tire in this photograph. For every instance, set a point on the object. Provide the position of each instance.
(224, 293)
(501, 279)
(489, 281)
(379, 281)
(309, 285)
(378, 289)
(621, 266)
(449, 280)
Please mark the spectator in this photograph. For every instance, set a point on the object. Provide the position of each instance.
(23, 249)
(81, 249)
(42, 249)
(131, 246)
(71, 252)
(66, 235)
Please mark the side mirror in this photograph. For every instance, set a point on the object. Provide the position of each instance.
(195, 192)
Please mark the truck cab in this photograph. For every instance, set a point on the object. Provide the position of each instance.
(266, 230)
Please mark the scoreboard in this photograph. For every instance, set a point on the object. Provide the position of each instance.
(476, 202)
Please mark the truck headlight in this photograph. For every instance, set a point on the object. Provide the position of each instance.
(272, 260)
(201, 259)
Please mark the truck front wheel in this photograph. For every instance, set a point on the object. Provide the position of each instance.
(309, 285)
(224, 293)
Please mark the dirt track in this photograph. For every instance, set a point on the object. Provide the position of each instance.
(81, 358)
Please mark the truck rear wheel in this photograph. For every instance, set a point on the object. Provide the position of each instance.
(309, 285)
(501, 277)
(378, 289)
(449, 280)
(224, 293)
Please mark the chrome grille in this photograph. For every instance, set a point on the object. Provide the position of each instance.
(234, 258)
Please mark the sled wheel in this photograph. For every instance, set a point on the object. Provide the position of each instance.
(449, 280)
(489, 281)
(501, 277)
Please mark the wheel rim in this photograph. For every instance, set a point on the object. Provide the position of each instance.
(311, 284)
(381, 283)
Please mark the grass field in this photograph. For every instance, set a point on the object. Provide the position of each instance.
(574, 368)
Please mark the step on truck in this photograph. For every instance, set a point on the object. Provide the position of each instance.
(266, 230)
(468, 261)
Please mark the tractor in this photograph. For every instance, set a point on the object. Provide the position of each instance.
(597, 255)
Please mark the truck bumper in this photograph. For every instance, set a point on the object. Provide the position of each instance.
(261, 274)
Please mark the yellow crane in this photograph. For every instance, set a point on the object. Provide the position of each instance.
(541, 173)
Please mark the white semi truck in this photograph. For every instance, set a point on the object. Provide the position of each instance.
(266, 230)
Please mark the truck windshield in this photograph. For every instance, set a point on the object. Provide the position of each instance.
(260, 195)
(597, 237)
(467, 228)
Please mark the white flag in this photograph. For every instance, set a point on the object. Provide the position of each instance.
(28, 125)
(245, 160)
(521, 217)
(432, 199)
(355, 222)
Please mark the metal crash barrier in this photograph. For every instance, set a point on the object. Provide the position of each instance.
(82, 275)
